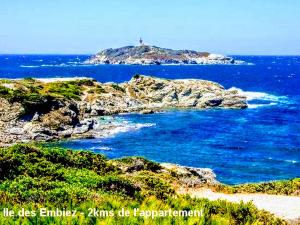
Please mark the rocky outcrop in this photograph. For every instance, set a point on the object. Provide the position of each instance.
(76, 111)
(191, 176)
(152, 55)
(187, 177)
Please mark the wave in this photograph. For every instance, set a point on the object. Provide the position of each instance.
(261, 99)
(291, 161)
(43, 65)
(101, 148)
(68, 64)
(109, 126)
(25, 66)
(128, 126)
(254, 106)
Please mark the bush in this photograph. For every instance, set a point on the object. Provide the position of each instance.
(65, 90)
(97, 90)
(34, 176)
(117, 87)
(136, 76)
(285, 187)
(139, 163)
(4, 91)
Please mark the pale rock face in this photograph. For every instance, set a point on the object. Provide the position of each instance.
(216, 57)
(184, 93)
(16, 131)
(192, 177)
(80, 118)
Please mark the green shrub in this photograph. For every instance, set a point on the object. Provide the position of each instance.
(97, 90)
(285, 187)
(139, 163)
(35, 176)
(136, 76)
(116, 184)
(100, 90)
(4, 91)
(66, 90)
(82, 82)
(117, 87)
(155, 186)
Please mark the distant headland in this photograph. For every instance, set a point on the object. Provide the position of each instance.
(151, 55)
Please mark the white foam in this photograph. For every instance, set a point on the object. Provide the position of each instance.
(54, 65)
(101, 148)
(291, 161)
(68, 64)
(109, 126)
(25, 66)
(127, 126)
(254, 106)
(269, 99)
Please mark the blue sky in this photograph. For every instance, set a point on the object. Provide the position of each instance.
(221, 26)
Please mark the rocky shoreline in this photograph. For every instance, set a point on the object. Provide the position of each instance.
(152, 55)
(46, 110)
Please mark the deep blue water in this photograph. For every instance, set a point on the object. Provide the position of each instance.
(257, 144)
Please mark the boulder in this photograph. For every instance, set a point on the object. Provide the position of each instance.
(191, 176)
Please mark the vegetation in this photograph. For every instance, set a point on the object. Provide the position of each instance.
(33, 176)
(65, 90)
(117, 87)
(35, 95)
(97, 90)
(29, 89)
(136, 76)
(284, 187)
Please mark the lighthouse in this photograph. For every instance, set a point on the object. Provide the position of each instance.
(141, 41)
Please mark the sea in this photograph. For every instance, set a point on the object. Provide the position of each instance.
(260, 143)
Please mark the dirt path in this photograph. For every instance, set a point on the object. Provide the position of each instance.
(286, 207)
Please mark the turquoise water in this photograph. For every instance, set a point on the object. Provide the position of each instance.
(257, 144)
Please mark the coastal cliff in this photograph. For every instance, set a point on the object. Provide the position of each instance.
(152, 55)
(44, 110)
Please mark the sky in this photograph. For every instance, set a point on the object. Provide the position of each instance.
(234, 27)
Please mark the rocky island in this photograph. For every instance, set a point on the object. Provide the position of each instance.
(152, 55)
(49, 109)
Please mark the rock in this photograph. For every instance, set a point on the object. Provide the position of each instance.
(79, 118)
(42, 137)
(56, 118)
(84, 126)
(147, 111)
(16, 131)
(10, 111)
(192, 177)
(162, 93)
(152, 55)
(81, 129)
(66, 133)
(36, 117)
(97, 110)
